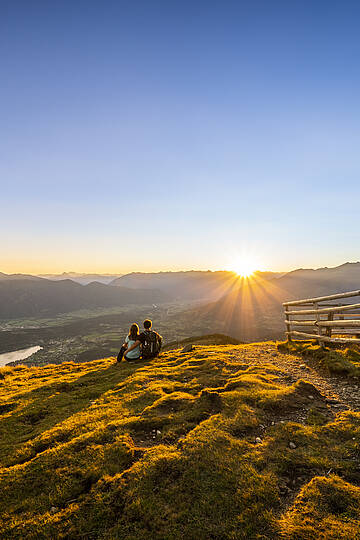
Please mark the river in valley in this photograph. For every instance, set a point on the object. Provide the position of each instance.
(18, 355)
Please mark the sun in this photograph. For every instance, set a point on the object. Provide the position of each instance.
(245, 267)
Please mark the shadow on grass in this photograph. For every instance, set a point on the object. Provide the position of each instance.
(42, 408)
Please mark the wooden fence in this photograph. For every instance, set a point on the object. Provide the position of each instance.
(324, 319)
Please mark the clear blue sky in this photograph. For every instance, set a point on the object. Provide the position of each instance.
(217, 128)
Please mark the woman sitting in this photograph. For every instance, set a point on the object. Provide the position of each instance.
(132, 344)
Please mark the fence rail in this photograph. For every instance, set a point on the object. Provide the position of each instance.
(330, 321)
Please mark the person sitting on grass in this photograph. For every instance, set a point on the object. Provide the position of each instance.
(131, 347)
(150, 340)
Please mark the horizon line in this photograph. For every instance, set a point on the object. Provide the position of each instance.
(122, 273)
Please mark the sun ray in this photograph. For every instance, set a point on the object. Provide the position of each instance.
(244, 266)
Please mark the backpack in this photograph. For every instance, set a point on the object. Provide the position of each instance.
(151, 345)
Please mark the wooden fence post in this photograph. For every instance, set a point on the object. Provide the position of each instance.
(324, 330)
(329, 329)
(288, 323)
(319, 331)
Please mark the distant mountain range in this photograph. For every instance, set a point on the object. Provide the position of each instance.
(41, 297)
(12, 277)
(246, 309)
(192, 285)
(305, 283)
(253, 310)
(81, 278)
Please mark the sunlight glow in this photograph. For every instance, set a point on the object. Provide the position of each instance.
(244, 267)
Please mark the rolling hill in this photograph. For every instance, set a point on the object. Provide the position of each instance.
(42, 297)
(191, 285)
(308, 283)
(252, 310)
(12, 277)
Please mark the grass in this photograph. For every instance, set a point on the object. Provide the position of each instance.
(333, 506)
(208, 339)
(344, 361)
(167, 450)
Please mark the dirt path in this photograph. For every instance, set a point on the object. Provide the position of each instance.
(340, 393)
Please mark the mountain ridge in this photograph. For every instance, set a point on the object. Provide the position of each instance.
(24, 298)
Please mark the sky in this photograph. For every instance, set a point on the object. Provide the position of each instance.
(166, 135)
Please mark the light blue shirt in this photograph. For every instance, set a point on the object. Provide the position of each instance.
(135, 353)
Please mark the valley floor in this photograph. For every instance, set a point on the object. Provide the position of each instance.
(223, 442)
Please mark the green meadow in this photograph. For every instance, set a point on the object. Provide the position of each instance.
(200, 445)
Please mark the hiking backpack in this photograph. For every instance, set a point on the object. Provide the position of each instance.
(151, 345)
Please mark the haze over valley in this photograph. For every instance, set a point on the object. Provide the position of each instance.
(74, 321)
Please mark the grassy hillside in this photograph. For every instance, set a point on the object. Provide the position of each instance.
(218, 443)
(207, 339)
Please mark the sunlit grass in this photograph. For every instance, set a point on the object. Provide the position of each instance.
(167, 449)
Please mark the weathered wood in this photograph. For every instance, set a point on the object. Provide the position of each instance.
(288, 322)
(329, 328)
(341, 340)
(343, 324)
(345, 331)
(349, 315)
(331, 305)
(334, 319)
(322, 298)
(324, 310)
(300, 323)
(319, 331)
(302, 334)
(324, 338)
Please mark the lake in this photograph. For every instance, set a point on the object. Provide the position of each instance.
(18, 355)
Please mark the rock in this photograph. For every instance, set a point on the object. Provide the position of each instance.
(311, 397)
(258, 440)
(302, 366)
(307, 388)
(292, 445)
(53, 510)
(187, 348)
(158, 432)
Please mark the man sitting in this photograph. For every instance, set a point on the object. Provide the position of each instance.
(150, 340)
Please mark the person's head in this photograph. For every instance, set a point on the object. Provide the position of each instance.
(147, 324)
(134, 332)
